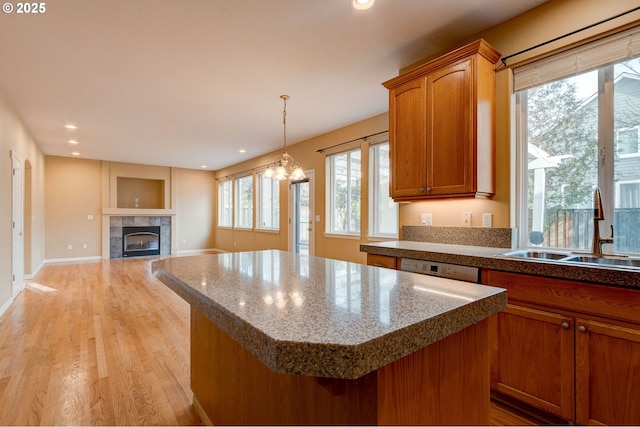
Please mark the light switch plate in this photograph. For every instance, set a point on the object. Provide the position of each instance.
(426, 219)
(466, 219)
(487, 220)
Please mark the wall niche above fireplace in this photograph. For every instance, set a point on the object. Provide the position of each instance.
(140, 193)
(132, 189)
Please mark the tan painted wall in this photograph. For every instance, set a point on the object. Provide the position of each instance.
(195, 194)
(14, 136)
(74, 191)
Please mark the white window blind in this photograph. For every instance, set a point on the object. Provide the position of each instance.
(611, 49)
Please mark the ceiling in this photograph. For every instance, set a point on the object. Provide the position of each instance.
(188, 83)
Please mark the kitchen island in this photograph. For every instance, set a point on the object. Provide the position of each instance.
(280, 338)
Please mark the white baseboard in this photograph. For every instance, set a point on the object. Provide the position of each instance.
(6, 305)
(78, 259)
(35, 272)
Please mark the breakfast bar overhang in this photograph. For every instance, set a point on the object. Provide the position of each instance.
(279, 338)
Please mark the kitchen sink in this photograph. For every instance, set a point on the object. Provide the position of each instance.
(615, 261)
(537, 254)
(585, 259)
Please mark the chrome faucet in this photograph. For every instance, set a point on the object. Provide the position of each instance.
(598, 215)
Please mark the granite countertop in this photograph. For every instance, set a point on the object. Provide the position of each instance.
(321, 317)
(494, 259)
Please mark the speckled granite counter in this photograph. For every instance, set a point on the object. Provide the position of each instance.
(494, 259)
(321, 317)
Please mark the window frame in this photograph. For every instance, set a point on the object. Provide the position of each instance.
(607, 153)
(274, 205)
(238, 209)
(330, 193)
(374, 202)
(222, 190)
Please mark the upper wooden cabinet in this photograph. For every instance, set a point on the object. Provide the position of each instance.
(442, 126)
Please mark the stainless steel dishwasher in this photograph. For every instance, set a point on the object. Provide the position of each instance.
(440, 269)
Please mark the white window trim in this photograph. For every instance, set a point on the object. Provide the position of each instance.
(329, 185)
(236, 201)
(258, 201)
(373, 181)
(225, 226)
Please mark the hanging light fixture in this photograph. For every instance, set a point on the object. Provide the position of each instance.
(285, 166)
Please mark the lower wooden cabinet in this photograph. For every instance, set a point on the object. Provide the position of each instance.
(554, 348)
(382, 261)
(607, 374)
(535, 359)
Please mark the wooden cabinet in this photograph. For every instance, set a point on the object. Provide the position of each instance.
(536, 366)
(607, 374)
(382, 261)
(569, 348)
(442, 126)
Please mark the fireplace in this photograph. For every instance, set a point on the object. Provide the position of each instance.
(140, 241)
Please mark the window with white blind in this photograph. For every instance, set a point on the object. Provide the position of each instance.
(225, 204)
(383, 211)
(244, 202)
(343, 189)
(267, 202)
(578, 115)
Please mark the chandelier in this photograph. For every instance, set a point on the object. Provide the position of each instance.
(285, 167)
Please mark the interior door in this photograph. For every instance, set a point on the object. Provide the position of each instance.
(17, 270)
(302, 216)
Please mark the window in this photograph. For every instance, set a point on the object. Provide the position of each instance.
(383, 212)
(627, 142)
(225, 204)
(268, 202)
(578, 131)
(244, 202)
(343, 192)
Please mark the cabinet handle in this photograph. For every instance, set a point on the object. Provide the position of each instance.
(565, 325)
(422, 189)
(582, 328)
(378, 265)
(428, 189)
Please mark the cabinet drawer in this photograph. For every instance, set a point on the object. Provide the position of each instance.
(382, 261)
(599, 300)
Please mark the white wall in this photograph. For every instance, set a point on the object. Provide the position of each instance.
(14, 137)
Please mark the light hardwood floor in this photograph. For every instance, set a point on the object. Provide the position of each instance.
(104, 343)
(96, 343)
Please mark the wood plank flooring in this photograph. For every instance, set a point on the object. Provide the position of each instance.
(96, 343)
(105, 343)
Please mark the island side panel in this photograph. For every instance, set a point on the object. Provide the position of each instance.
(233, 387)
(446, 382)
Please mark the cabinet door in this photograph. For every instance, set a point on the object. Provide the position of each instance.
(382, 261)
(407, 150)
(607, 374)
(450, 130)
(535, 359)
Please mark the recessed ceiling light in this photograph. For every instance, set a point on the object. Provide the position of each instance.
(362, 4)
(75, 153)
(242, 150)
(73, 141)
(203, 166)
(71, 126)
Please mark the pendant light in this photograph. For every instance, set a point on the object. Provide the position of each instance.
(285, 166)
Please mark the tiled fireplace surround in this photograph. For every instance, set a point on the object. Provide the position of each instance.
(115, 232)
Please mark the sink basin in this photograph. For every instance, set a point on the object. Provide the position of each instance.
(588, 259)
(537, 254)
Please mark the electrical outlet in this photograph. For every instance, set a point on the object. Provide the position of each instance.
(487, 220)
(69, 247)
(466, 219)
(426, 219)
(85, 246)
